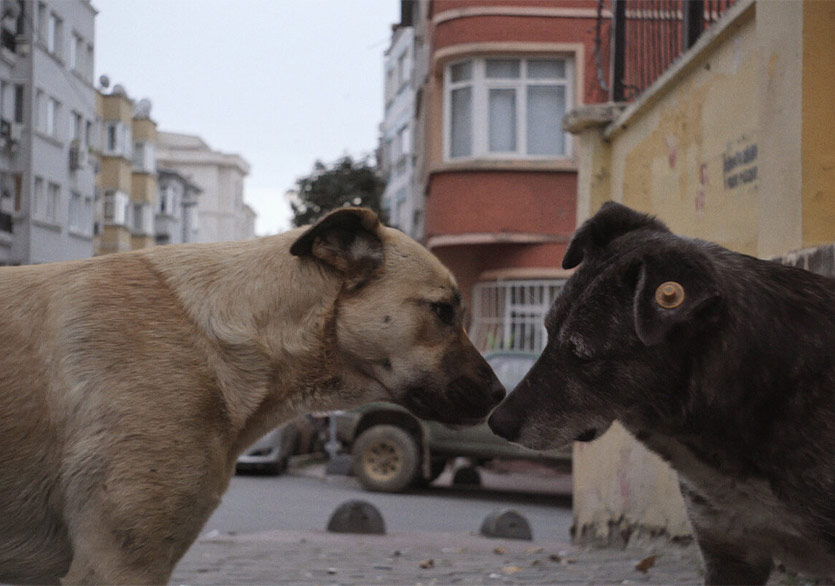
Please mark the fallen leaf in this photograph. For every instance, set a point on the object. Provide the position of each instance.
(645, 564)
(508, 570)
(426, 564)
(500, 550)
(555, 557)
(534, 550)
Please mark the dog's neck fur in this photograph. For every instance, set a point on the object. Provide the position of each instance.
(290, 366)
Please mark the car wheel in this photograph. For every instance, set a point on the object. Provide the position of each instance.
(385, 458)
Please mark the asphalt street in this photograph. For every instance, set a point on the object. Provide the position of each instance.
(305, 499)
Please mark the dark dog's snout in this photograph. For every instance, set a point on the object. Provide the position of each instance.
(504, 424)
(497, 392)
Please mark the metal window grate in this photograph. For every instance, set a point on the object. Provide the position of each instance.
(510, 315)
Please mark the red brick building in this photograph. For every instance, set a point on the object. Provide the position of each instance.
(498, 173)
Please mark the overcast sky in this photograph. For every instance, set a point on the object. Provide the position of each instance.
(280, 82)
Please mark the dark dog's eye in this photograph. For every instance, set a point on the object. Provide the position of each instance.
(445, 312)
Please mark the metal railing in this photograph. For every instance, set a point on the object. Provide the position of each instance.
(510, 315)
(649, 35)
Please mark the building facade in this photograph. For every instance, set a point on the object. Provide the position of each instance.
(47, 130)
(496, 171)
(221, 213)
(401, 200)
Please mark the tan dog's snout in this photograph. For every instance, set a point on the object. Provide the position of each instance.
(471, 393)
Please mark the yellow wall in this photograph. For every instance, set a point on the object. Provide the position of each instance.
(818, 147)
(144, 130)
(143, 188)
(679, 159)
(115, 173)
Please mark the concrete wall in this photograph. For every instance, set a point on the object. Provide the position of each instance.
(733, 144)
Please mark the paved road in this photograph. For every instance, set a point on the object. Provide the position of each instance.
(271, 531)
(305, 499)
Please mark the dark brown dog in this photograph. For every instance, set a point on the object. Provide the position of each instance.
(721, 363)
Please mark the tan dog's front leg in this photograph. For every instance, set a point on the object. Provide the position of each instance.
(102, 555)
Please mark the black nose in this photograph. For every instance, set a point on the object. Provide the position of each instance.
(497, 393)
(505, 424)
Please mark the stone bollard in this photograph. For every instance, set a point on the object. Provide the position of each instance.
(506, 524)
(466, 476)
(357, 517)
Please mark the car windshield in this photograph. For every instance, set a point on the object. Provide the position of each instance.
(510, 369)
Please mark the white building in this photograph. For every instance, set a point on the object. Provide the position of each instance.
(47, 126)
(221, 211)
(176, 214)
(402, 200)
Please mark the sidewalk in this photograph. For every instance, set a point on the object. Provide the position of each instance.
(318, 557)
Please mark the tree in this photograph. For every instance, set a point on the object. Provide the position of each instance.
(346, 183)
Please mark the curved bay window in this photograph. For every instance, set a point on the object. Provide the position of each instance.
(501, 107)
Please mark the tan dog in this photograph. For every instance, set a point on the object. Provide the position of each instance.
(130, 383)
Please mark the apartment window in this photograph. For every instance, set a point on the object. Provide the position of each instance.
(18, 103)
(510, 315)
(507, 107)
(51, 123)
(76, 123)
(74, 219)
(144, 157)
(54, 35)
(42, 22)
(143, 219)
(76, 52)
(38, 198)
(53, 200)
(40, 114)
(117, 140)
(88, 64)
(116, 207)
(87, 214)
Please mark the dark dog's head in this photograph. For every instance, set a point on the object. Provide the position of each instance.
(617, 332)
(398, 321)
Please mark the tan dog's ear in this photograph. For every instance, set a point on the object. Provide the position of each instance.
(348, 240)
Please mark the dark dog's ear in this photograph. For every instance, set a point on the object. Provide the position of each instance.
(347, 239)
(612, 220)
(672, 288)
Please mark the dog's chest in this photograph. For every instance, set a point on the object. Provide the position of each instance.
(747, 512)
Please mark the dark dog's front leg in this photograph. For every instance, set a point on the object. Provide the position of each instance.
(728, 564)
(727, 559)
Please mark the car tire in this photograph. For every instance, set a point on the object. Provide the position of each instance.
(385, 458)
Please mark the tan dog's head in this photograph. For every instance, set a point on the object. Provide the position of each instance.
(398, 320)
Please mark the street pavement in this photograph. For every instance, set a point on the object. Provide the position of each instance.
(427, 558)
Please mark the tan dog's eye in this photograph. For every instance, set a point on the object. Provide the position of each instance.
(445, 312)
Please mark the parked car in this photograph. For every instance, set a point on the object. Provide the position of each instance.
(391, 449)
(271, 453)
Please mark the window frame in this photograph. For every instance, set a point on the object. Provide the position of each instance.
(480, 109)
